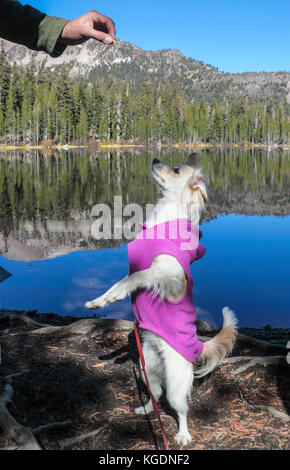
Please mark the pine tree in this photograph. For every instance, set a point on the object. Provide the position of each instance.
(10, 115)
(83, 125)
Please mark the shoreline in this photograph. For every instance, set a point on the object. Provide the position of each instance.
(158, 145)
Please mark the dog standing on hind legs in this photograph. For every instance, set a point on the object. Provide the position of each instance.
(160, 285)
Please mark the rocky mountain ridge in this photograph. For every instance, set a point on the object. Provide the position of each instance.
(128, 62)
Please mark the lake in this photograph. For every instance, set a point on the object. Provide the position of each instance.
(50, 261)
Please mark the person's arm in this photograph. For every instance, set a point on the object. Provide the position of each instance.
(25, 25)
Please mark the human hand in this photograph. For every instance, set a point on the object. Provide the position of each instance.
(91, 25)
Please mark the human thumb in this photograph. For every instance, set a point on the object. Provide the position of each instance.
(100, 36)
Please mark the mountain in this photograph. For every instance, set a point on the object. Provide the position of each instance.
(128, 62)
(37, 239)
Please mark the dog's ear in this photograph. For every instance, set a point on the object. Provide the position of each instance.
(192, 160)
(196, 183)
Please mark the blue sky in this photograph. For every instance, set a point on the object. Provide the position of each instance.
(233, 35)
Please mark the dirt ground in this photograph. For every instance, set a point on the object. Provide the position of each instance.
(90, 383)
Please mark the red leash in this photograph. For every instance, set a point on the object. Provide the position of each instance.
(155, 406)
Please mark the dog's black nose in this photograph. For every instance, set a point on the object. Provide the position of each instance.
(155, 161)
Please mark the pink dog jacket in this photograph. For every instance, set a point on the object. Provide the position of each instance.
(173, 321)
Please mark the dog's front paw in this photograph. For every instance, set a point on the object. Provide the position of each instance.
(97, 303)
(183, 438)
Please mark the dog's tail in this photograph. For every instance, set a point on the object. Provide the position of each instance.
(217, 348)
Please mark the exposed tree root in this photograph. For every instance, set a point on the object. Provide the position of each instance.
(270, 409)
(22, 436)
(98, 326)
(49, 426)
(15, 319)
(234, 359)
(276, 413)
(245, 340)
(75, 440)
(262, 345)
(258, 360)
(93, 327)
(88, 326)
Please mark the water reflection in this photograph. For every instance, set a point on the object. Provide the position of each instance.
(245, 267)
(46, 199)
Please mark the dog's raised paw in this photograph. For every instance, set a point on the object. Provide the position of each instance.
(183, 438)
(91, 305)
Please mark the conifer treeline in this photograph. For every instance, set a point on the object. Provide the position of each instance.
(63, 185)
(38, 105)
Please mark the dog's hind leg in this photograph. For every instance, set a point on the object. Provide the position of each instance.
(153, 368)
(179, 378)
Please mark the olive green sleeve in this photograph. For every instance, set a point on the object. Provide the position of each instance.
(25, 25)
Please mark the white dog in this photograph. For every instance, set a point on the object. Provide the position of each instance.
(167, 282)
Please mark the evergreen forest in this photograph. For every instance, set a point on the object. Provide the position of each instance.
(39, 106)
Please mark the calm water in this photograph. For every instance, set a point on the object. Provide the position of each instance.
(55, 265)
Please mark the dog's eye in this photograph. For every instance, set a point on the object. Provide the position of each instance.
(176, 170)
